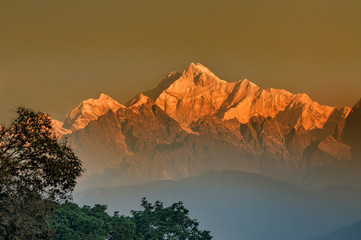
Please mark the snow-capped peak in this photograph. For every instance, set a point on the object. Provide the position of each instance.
(200, 75)
(198, 67)
(90, 110)
(139, 100)
(58, 129)
(198, 92)
(104, 97)
(247, 83)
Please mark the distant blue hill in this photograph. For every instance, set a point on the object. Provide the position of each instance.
(348, 233)
(236, 205)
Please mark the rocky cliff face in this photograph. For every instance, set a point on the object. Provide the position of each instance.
(194, 122)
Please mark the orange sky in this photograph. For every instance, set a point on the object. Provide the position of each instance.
(54, 54)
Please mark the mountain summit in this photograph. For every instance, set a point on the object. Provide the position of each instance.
(196, 93)
(90, 110)
(139, 100)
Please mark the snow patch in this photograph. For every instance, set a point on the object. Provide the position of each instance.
(90, 110)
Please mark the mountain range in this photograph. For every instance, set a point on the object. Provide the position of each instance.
(193, 123)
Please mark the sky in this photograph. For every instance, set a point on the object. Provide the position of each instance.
(54, 54)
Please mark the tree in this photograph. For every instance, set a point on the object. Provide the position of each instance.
(36, 173)
(155, 222)
(70, 222)
(123, 228)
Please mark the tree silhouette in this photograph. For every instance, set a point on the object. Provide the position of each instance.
(36, 172)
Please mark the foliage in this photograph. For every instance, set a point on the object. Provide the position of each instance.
(74, 223)
(36, 171)
(154, 222)
(123, 228)
(23, 218)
